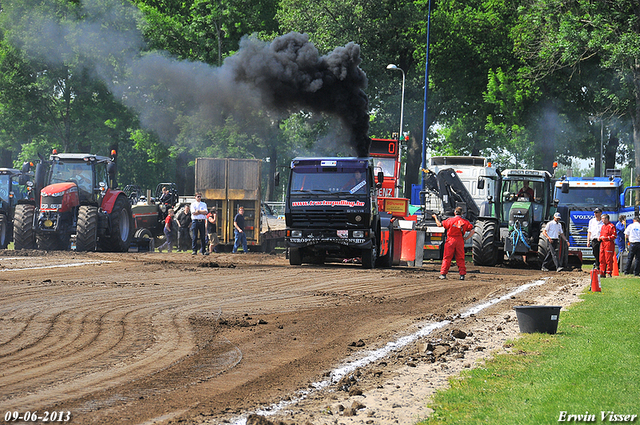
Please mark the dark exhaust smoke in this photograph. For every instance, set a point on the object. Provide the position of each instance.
(284, 76)
(275, 78)
(290, 75)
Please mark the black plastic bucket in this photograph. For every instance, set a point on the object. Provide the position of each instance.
(538, 318)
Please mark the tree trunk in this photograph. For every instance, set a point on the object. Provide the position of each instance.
(5, 158)
(610, 151)
(635, 118)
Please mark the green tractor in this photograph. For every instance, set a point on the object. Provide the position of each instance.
(522, 206)
(13, 189)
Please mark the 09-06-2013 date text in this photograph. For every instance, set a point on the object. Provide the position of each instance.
(55, 416)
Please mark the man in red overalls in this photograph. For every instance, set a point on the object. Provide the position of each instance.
(607, 237)
(456, 227)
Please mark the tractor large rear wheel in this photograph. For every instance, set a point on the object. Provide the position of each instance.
(23, 233)
(4, 231)
(121, 227)
(484, 248)
(87, 228)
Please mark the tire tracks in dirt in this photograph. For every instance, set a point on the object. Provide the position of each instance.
(128, 339)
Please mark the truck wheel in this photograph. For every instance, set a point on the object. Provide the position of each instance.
(23, 235)
(295, 256)
(143, 234)
(543, 248)
(484, 249)
(121, 227)
(87, 228)
(369, 257)
(4, 231)
(387, 260)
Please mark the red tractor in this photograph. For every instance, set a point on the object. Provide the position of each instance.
(75, 198)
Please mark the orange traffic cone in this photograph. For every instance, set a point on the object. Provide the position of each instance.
(616, 272)
(595, 280)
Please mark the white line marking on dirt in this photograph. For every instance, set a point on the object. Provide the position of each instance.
(85, 263)
(372, 356)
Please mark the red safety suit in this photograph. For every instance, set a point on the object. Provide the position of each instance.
(607, 248)
(454, 245)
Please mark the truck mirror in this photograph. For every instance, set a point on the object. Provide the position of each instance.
(565, 187)
(480, 183)
(25, 167)
(276, 178)
(380, 178)
(556, 202)
(22, 179)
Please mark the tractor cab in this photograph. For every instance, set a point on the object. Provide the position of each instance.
(91, 175)
(524, 195)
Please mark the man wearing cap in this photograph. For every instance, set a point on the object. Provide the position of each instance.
(633, 234)
(607, 246)
(593, 235)
(552, 232)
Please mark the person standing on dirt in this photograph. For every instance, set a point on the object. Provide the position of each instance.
(198, 218)
(633, 234)
(183, 219)
(456, 227)
(621, 225)
(593, 235)
(168, 232)
(238, 232)
(212, 229)
(552, 232)
(607, 246)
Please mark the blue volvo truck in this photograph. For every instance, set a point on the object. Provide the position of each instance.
(578, 197)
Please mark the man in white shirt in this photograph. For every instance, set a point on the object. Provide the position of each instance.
(199, 212)
(595, 224)
(633, 235)
(552, 232)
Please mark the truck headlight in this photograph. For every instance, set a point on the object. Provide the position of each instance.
(358, 233)
(296, 233)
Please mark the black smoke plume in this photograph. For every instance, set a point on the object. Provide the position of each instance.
(290, 74)
(280, 77)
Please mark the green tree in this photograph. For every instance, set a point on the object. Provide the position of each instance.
(49, 95)
(596, 44)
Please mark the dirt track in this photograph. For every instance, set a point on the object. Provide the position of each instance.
(167, 338)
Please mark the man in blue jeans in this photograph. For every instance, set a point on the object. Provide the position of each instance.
(198, 216)
(238, 231)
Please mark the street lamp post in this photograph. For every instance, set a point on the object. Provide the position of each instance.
(392, 66)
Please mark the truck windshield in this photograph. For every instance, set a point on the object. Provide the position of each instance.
(345, 181)
(386, 165)
(605, 198)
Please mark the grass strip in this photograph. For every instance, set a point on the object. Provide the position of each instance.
(590, 367)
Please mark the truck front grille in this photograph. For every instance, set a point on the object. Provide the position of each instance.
(318, 219)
